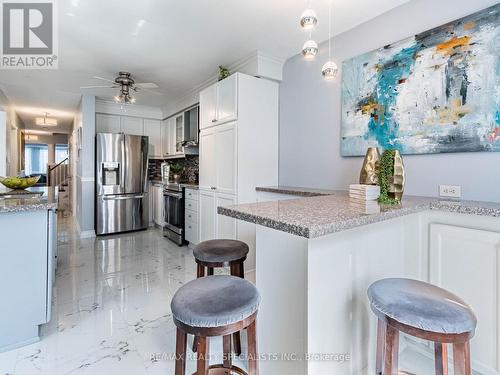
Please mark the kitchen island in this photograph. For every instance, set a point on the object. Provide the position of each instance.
(28, 232)
(318, 251)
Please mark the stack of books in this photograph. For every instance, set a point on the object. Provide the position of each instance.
(363, 198)
(364, 192)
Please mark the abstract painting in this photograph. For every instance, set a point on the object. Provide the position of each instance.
(436, 92)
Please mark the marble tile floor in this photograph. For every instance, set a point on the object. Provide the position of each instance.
(111, 308)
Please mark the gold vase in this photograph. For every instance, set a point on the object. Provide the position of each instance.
(369, 171)
(397, 187)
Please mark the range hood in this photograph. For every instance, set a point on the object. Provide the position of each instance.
(191, 128)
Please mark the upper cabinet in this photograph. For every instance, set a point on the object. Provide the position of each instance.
(165, 138)
(105, 123)
(179, 134)
(132, 125)
(218, 103)
(152, 129)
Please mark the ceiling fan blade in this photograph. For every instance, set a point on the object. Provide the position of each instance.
(147, 85)
(98, 87)
(150, 91)
(105, 79)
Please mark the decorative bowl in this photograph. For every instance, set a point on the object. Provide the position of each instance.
(19, 182)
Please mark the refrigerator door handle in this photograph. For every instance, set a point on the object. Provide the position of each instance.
(122, 197)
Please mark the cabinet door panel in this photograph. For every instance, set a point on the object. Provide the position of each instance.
(179, 134)
(226, 99)
(207, 215)
(226, 226)
(208, 107)
(152, 129)
(165, 138)
(208, 170)
(225, 158)
(467, 262)
(132, 125)
(107, 123)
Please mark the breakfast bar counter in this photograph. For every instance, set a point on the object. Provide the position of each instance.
(316, 255)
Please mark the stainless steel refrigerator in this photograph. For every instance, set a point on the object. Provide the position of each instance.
(122, 202)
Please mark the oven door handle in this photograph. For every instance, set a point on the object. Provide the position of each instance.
(174, 195)
(121, 197)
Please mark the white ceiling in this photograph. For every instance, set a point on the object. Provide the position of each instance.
(176, 44)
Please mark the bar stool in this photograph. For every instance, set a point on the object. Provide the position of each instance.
(215, 306)
(425, 311)
(221, 253)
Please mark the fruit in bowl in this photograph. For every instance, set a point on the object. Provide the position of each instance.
(19, 182)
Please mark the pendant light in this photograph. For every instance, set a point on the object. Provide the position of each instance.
(310, 49)
(329, 69)
(308, 20)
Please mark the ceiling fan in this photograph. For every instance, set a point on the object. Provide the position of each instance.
(126, 84)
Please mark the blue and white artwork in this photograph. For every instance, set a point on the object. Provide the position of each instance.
(438, 91)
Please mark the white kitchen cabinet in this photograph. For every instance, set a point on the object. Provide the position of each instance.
(179, 134)
(218, 103)
(238, 152)
(467, 262)
(207, 215)
(226, 99)
(105, 123)
(165, 138)
(208, 165)
(208, 107)
(151, 204)
(225, 158)
(191, 217)
(225, 226)
(173, 136)
(132, 125)
(152, 129)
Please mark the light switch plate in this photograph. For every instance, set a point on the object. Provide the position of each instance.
(450, 191)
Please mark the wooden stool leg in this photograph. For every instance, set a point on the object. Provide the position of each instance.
(381, 327)
(226, 345)
(203, 353)
(180, 353)
(391, 351)
(200, 272)
(461, 359)
(441, 358)
(237, 270)
(253, 360)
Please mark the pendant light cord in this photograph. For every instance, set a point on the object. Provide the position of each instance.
(330, 32)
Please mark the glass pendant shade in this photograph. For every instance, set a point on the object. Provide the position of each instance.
(310, 49)
(308, 20)
(329, 70)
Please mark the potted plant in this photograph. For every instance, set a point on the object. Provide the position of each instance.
(176, 169)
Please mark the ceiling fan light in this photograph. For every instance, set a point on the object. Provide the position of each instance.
(45, 121)
(329, 70)
(308, 20)
(310, 49)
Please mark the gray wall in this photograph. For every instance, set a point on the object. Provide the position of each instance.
(310, 112)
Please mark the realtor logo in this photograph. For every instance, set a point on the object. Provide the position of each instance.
(29, 35)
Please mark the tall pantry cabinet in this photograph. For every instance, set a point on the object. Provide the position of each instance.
(238, 152)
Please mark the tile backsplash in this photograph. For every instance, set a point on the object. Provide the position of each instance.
(189, 172)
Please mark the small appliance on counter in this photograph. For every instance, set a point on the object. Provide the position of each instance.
(165, 172)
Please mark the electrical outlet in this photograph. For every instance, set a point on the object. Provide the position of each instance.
(450, 191)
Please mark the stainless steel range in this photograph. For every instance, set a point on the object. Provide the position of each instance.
(173, 197)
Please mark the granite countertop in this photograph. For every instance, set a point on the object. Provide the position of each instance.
(290, 190)
(190, 185)
(33, 199)
(316, 216)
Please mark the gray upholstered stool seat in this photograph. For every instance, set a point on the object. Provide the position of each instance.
(421, 305)
(215, 301)
(220, 251)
